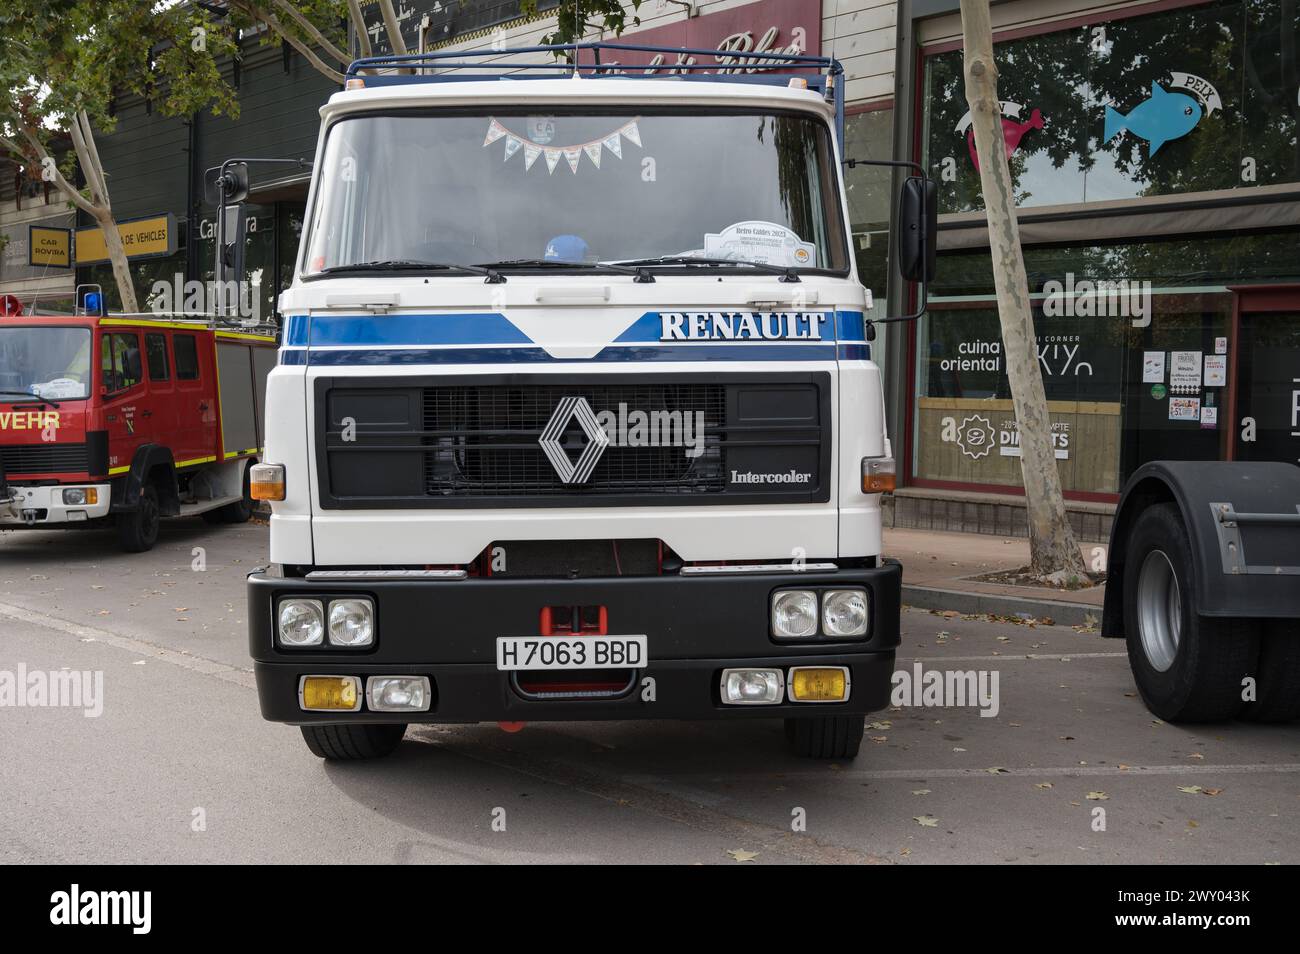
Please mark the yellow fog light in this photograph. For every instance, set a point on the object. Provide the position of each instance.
(818, 684)
(330, 693)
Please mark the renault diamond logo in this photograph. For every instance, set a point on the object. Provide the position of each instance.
(572, 472)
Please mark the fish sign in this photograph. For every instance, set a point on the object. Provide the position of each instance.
(1012, 130)
(1164, 117)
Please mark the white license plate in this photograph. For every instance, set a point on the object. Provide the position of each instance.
(576, 652)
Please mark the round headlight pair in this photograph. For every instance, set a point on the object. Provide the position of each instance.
(843, 613)
(302, 622)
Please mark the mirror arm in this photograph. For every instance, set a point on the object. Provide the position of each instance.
(925, 295)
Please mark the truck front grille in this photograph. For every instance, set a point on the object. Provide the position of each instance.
(527, 440)
(44, 459)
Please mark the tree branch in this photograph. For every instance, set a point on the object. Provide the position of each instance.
(314, 33)
(359, 24)
(60, 183)
(272, 23)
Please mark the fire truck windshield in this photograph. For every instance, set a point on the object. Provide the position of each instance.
(49, 362)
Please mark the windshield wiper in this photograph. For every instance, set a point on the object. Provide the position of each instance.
(491, 276)
(642, 275)
(787, 273)
(36, 398)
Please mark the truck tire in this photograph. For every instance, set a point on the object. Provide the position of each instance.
(237, 512)
(1277, 683)
(353, 742)
(137, 530)
(825, 737)
(1188, 668)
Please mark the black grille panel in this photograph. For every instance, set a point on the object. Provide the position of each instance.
(44, 459)
(484, 440)
(442, 442)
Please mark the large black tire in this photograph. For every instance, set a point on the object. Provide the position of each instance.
(238, 512)
(1277, 686)
(825, 737)
(1188, 668)
(137, 530)
(352, 742)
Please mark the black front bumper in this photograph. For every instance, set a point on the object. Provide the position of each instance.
(696, 626)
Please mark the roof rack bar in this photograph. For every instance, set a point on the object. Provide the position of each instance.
(450, 59)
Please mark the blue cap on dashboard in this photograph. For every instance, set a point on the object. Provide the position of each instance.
(566, 248)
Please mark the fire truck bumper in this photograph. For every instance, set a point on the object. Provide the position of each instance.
(39, 506)
(695, 628)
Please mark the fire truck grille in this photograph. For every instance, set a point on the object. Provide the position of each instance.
(44, 459)
(533, 440)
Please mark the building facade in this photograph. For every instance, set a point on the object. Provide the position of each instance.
(1153, 148)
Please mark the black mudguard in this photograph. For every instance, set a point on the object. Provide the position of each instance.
(1258, 577)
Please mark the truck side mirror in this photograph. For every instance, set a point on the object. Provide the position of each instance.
(918, 229)
(234, 234)
(235, 182)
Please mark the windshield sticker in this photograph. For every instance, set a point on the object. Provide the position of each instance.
(541, 131)
(762, 242)
(1166, 115)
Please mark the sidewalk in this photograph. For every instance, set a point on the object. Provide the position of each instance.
(938, 569)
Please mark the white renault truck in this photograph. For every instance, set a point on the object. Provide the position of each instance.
(575, 415)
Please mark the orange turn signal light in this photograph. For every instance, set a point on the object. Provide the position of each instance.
(266, 482)
(877, 475)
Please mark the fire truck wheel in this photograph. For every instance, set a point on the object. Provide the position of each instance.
(350, 743)
(825, 737)
(1188, 668)
(137, 530)
(1277, 688)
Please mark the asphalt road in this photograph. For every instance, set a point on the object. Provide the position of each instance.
(179, 767)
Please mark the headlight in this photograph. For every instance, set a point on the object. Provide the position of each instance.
(352, 623)
(79, 496)
(301, 623)
(794, 614)
(844, 613)
(398, 693)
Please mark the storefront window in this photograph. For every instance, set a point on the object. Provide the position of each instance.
(869, 135)
(1139, 375)
(1186, 100)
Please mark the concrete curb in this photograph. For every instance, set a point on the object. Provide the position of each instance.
(1059, 611)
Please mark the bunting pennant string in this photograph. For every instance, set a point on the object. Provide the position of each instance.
(571, 154)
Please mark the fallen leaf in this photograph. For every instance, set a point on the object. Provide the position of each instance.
(1196, 755)
(996, 770)
(879, 739)
(740, 854)
(921, 791)
(1043, 785)
(880, 725)
(1189, 789)
(1097, 796)
(958, 749)
(1211, 791)
(905, 852)
(926, 821)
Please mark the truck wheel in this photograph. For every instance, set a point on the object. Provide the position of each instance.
(1188, 668)
(137, 530)
(825, 737)
(237, 512)
(1277, 683)
(352, 742)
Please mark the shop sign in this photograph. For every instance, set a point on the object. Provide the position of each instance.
(49, 247)
(154, 237)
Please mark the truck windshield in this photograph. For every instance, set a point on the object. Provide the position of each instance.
(45, 362)
(461, 188)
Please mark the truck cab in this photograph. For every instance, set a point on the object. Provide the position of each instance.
(125, 419)
(575, 415)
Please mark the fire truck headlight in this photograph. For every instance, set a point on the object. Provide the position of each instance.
(794, 614)
(80, 496)
(301, 623)
(352, 623)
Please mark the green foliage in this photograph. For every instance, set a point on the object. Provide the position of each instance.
(575, 17)
(63, 56)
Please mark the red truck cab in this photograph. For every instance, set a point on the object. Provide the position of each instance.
(127, 420)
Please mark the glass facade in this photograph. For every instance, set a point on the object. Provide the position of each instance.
(1187, 100)
(1150, 347)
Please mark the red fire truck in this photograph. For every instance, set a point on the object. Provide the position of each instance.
(128, 419)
